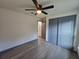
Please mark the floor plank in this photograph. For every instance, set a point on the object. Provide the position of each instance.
(45, 51)
(48, 51)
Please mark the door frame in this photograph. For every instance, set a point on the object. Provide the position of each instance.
(43, 28)
(75, 26)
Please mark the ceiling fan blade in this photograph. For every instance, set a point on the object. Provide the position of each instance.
(36, 4)
(48, 7)
(44, 12)
(36, 14)
(30, 9)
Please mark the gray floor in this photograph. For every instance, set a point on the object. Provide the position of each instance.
(47, 51)
(43, 51)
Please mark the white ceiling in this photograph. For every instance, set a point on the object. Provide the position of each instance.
(60, 5)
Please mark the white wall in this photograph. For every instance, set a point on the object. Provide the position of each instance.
(39, 28)
(72, 12)
(16, 28)
(77, 32)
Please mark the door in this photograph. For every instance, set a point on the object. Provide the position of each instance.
(52, 31)
(61, 31)
(66, 31)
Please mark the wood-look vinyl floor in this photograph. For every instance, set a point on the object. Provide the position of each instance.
(46, 51)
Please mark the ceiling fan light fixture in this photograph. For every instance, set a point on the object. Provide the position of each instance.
(38, 11)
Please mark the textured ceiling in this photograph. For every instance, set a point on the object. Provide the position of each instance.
(60, 5)
(22, 3)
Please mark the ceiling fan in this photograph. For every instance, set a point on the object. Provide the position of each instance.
(39, 9)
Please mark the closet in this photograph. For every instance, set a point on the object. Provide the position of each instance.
(61, 31)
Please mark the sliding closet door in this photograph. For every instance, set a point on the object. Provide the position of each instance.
(66, 31)
(52, 33)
